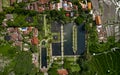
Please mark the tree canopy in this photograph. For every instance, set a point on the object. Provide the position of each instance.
(2, 16)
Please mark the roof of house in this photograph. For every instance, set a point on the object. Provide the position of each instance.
(35, 32)
(98, 20)
(84, 6)
(75, 7)
(30, 29)
(9, 16)
(18, 43)
(40, 9)
(34, 41)
(12, 1)
(62, 72)
(43, 1)
(89, 4)
(7, 37)
(14, 36)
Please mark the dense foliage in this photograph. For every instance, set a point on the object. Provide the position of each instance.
(59, 16)
(2, 16)
(56, 1)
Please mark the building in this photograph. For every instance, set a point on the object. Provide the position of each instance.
(113, 30)
(65, 5)
(75, 7)
(35, 41)
(7, 37)
(101, 33)
(44, 1)
(98, 20)
(84, 6)
(62, 72)
(14, 36)
(12, 2)
(35, 32)
(110, 30)
(89, 5)
(58, 6)
(9, 16)
(117, 33)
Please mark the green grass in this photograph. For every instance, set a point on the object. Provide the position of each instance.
(75, 68)
(71, 59)
(102, 63)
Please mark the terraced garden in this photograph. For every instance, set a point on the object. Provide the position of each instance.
(105, 64)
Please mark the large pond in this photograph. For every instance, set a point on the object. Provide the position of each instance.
(68, 50)
(80, 39)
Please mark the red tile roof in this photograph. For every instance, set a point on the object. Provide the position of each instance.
(14, 36)
(89, 4)
(98, 20)
(34, 41)
(62, 72)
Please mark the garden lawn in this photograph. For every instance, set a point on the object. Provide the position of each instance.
(75, 68)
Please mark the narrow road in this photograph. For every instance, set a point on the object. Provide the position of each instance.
(62, 43)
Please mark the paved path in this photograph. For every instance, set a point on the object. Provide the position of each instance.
(74, 39)
(112, 50)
